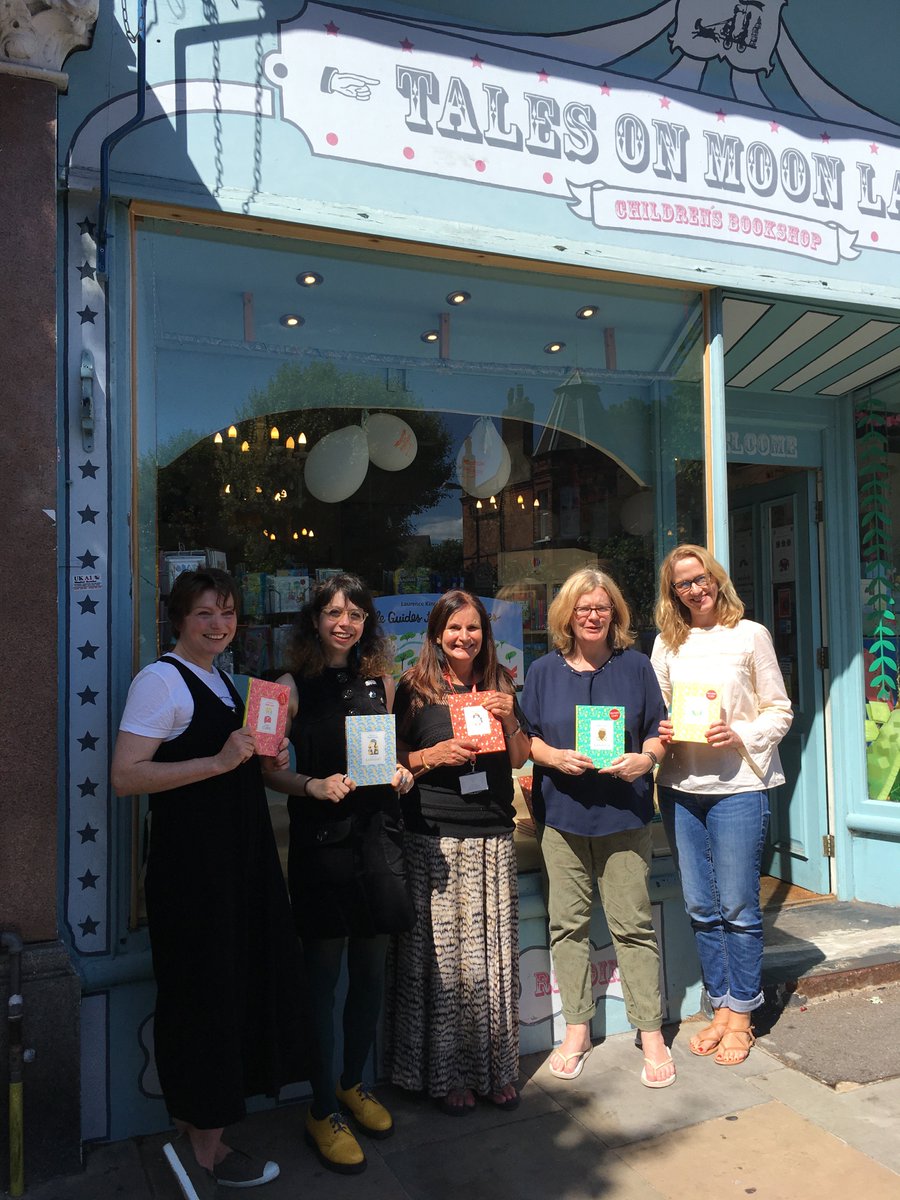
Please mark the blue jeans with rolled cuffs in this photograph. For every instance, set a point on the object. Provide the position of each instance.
(717, 842)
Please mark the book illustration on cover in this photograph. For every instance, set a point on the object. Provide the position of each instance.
(600, 732)
(265, 714)
(371, 748)
(695, 706)
(473, 723)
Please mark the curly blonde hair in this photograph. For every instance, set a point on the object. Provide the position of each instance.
(673, 617)
(559, 615)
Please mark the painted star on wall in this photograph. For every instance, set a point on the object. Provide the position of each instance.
(87, 226)
(88, 741)
(88, 880)
(88, 560)
(88, 925)
(87, 650)
(87, 787)
(88, 605)
(88, 514)
(88, 696)
(86, 271)
(88, 834)
(88, 470)
(87, 315)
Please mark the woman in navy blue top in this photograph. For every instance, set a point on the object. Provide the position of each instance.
(593, 823)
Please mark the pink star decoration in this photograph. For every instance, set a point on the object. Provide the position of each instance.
(332, 30)
(543, 77)
(664, 102)
(477, 62)
(406, 46)
(720, 116)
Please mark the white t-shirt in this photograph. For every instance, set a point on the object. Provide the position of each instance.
(159, 704)
(742, 662)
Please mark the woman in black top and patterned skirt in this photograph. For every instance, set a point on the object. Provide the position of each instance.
(345, 864)
(452, 1019)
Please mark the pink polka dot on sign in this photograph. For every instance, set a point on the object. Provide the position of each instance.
(480, 164)
(331, 139)
(874, 235)
(547, 177)
(408, 152)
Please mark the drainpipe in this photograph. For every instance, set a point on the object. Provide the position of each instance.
(116, 136)
(12, 943)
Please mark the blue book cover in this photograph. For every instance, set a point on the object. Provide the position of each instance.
(371, 748)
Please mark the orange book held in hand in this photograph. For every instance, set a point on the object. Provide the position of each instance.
(265, 714)
(473, 723)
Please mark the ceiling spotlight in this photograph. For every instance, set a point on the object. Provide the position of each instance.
(585, 313)
(309, 279)
(291, 320)
(232, 431)
(458, 298)
(218, 439)
(430, 335)
(554, 347)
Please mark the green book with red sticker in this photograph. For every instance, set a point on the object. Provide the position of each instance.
(600, 732)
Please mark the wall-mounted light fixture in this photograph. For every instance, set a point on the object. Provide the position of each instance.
(274, 433)
(288, 443)
(232, 431)
(245, 446)
(217, 440)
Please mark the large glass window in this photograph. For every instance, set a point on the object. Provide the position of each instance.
(305, 408)
(878, 470)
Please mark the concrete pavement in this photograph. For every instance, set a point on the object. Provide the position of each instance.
(763, 1129)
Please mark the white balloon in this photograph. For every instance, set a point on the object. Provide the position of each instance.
(481, 458)
(337, 465)
(392, 443)
(497, 482)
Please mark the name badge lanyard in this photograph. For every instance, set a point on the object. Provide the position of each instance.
(474, 781)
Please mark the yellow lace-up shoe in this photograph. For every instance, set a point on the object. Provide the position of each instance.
(372, 1117)
(335, 1145)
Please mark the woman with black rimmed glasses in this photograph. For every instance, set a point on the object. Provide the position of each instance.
(713, 795)
(345, 864)
(594, 823)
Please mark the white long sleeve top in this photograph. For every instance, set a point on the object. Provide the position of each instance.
(741, 664)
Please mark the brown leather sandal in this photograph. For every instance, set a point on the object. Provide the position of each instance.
(745, 1041)
(712, 1033)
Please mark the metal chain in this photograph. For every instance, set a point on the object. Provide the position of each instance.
(211, 16)
(257, 115)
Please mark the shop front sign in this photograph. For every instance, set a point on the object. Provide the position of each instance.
(538, 115)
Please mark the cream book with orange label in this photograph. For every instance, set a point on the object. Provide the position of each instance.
(695, 706)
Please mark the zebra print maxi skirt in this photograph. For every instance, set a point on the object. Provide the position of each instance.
(452, 1006)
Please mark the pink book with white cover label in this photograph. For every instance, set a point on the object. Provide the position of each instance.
(265, 714)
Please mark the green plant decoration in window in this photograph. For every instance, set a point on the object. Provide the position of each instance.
(875, 539)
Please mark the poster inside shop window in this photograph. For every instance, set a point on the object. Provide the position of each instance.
(404, 620)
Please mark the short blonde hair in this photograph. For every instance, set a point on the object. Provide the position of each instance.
(673, 618)
(559, 616)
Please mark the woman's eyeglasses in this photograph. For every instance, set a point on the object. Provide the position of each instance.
(685, 585)
(353, 615)
(583, 611)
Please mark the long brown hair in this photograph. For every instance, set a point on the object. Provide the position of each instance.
(426, 679)
(673, 618)
(370, 656)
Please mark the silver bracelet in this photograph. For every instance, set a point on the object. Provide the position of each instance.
(653, 759)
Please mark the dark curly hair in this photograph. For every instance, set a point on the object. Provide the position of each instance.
(372, 653)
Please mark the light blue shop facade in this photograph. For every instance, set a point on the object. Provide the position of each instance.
(459, 293)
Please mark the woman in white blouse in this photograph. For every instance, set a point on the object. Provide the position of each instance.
(713, 794)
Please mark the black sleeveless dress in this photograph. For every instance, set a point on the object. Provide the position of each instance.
(346, 870)
(229, 1018)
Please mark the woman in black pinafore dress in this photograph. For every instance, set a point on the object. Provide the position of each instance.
(228, 1021)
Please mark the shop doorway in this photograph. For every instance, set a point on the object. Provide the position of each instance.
(775, 567)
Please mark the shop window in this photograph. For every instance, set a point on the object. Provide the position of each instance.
(287, 432)
(878, 471)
